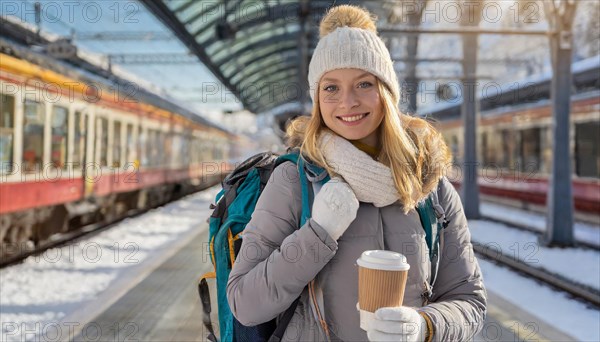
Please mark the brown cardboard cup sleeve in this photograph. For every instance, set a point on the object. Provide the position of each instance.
(381, 282)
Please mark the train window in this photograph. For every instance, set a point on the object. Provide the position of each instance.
(170, 139)
(116, 157)
(484, 149)
(587, 151)
(143, 152)
(58, 155)
(33, 136)
(187, 146)
(530, 150)
(7, 122)
(151, 147)
(455, 148)
(130, 153)
(161, 158)
(507, 148)
(102, 145)
(80, 121)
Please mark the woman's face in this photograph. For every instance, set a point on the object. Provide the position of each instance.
(350, 104)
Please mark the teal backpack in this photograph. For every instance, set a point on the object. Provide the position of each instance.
(235, 204)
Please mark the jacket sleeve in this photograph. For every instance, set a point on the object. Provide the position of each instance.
(276, 260)
(458, 305)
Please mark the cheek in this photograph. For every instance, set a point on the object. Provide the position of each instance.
(326, 110)
(375, 100)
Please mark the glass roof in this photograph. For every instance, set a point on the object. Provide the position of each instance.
(259, 50)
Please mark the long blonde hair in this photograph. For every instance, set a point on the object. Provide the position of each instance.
(411, 147)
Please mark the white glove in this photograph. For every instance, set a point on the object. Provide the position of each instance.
(397, 324)
(335, 207)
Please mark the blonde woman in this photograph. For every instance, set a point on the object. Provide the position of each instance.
(382, 164)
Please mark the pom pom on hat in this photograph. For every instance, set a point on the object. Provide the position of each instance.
(349, 40)
(346, 15)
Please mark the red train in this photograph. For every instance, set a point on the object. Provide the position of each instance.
(515, 137)
(73, 150)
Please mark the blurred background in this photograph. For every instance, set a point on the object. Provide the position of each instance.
(120, 118)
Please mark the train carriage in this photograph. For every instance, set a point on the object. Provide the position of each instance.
(515, 140)
(78, 147)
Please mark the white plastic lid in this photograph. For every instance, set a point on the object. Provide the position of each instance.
(383, 260)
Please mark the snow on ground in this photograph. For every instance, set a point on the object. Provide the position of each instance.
(583, 231)
(41, 295)
(45, 293)
(555, 308)
(580, 265)
(524, 246)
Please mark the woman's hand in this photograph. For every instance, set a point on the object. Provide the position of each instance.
(397, 324)
(335, 207)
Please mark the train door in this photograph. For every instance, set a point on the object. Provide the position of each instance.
(7, 125)
(530, 149)
(34, 122)
(101, 145)
(117, 146)
(587, 151)
(89, 159)
(59, 129)
(98, 152)
(79, 131)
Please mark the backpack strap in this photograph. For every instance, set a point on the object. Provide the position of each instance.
(284, 322)
(206, 307)
(307, 197)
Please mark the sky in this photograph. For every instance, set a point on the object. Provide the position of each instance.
(186, 81)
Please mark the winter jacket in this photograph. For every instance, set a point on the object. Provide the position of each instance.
(277, 260)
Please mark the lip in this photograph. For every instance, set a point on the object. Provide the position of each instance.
(353, 123)
(351, 114)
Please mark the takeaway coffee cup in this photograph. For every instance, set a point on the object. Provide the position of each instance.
(381, 282)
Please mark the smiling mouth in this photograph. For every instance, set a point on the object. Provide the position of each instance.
(353, 117)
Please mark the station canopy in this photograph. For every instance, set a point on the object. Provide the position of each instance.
(259, 50)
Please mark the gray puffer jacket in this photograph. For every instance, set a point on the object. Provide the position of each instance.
(277, 261)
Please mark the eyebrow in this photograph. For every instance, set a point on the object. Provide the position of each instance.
(357, 77)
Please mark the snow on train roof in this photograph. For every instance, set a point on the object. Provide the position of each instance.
(117, 76)
(581, 66)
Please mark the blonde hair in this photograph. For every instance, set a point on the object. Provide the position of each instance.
(411, 147)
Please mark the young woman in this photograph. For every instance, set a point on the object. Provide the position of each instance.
(382, 163)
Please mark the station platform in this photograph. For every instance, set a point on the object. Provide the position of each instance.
(165, 307)
(92, 291)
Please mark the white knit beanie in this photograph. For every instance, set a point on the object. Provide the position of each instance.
(349, 40)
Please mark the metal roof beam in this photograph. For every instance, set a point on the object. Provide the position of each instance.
(123, 35)
(460, 60)
(266, 53)
(169, 19)
(152, 58)
(279, 81)
(258, 45)
(184, 6)
(212, 23)
(259, 76)
(277, 77)
(258, 31)
(260, 66)
(462, 30)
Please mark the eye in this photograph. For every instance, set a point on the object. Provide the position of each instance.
(365, 84)
(330, 88)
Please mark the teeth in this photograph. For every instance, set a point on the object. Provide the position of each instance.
(353, 118)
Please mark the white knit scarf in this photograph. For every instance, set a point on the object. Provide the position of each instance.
(370, 180)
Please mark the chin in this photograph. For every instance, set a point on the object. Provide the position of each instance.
(352, 135)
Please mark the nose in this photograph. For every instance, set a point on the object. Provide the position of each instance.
(348, 99)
